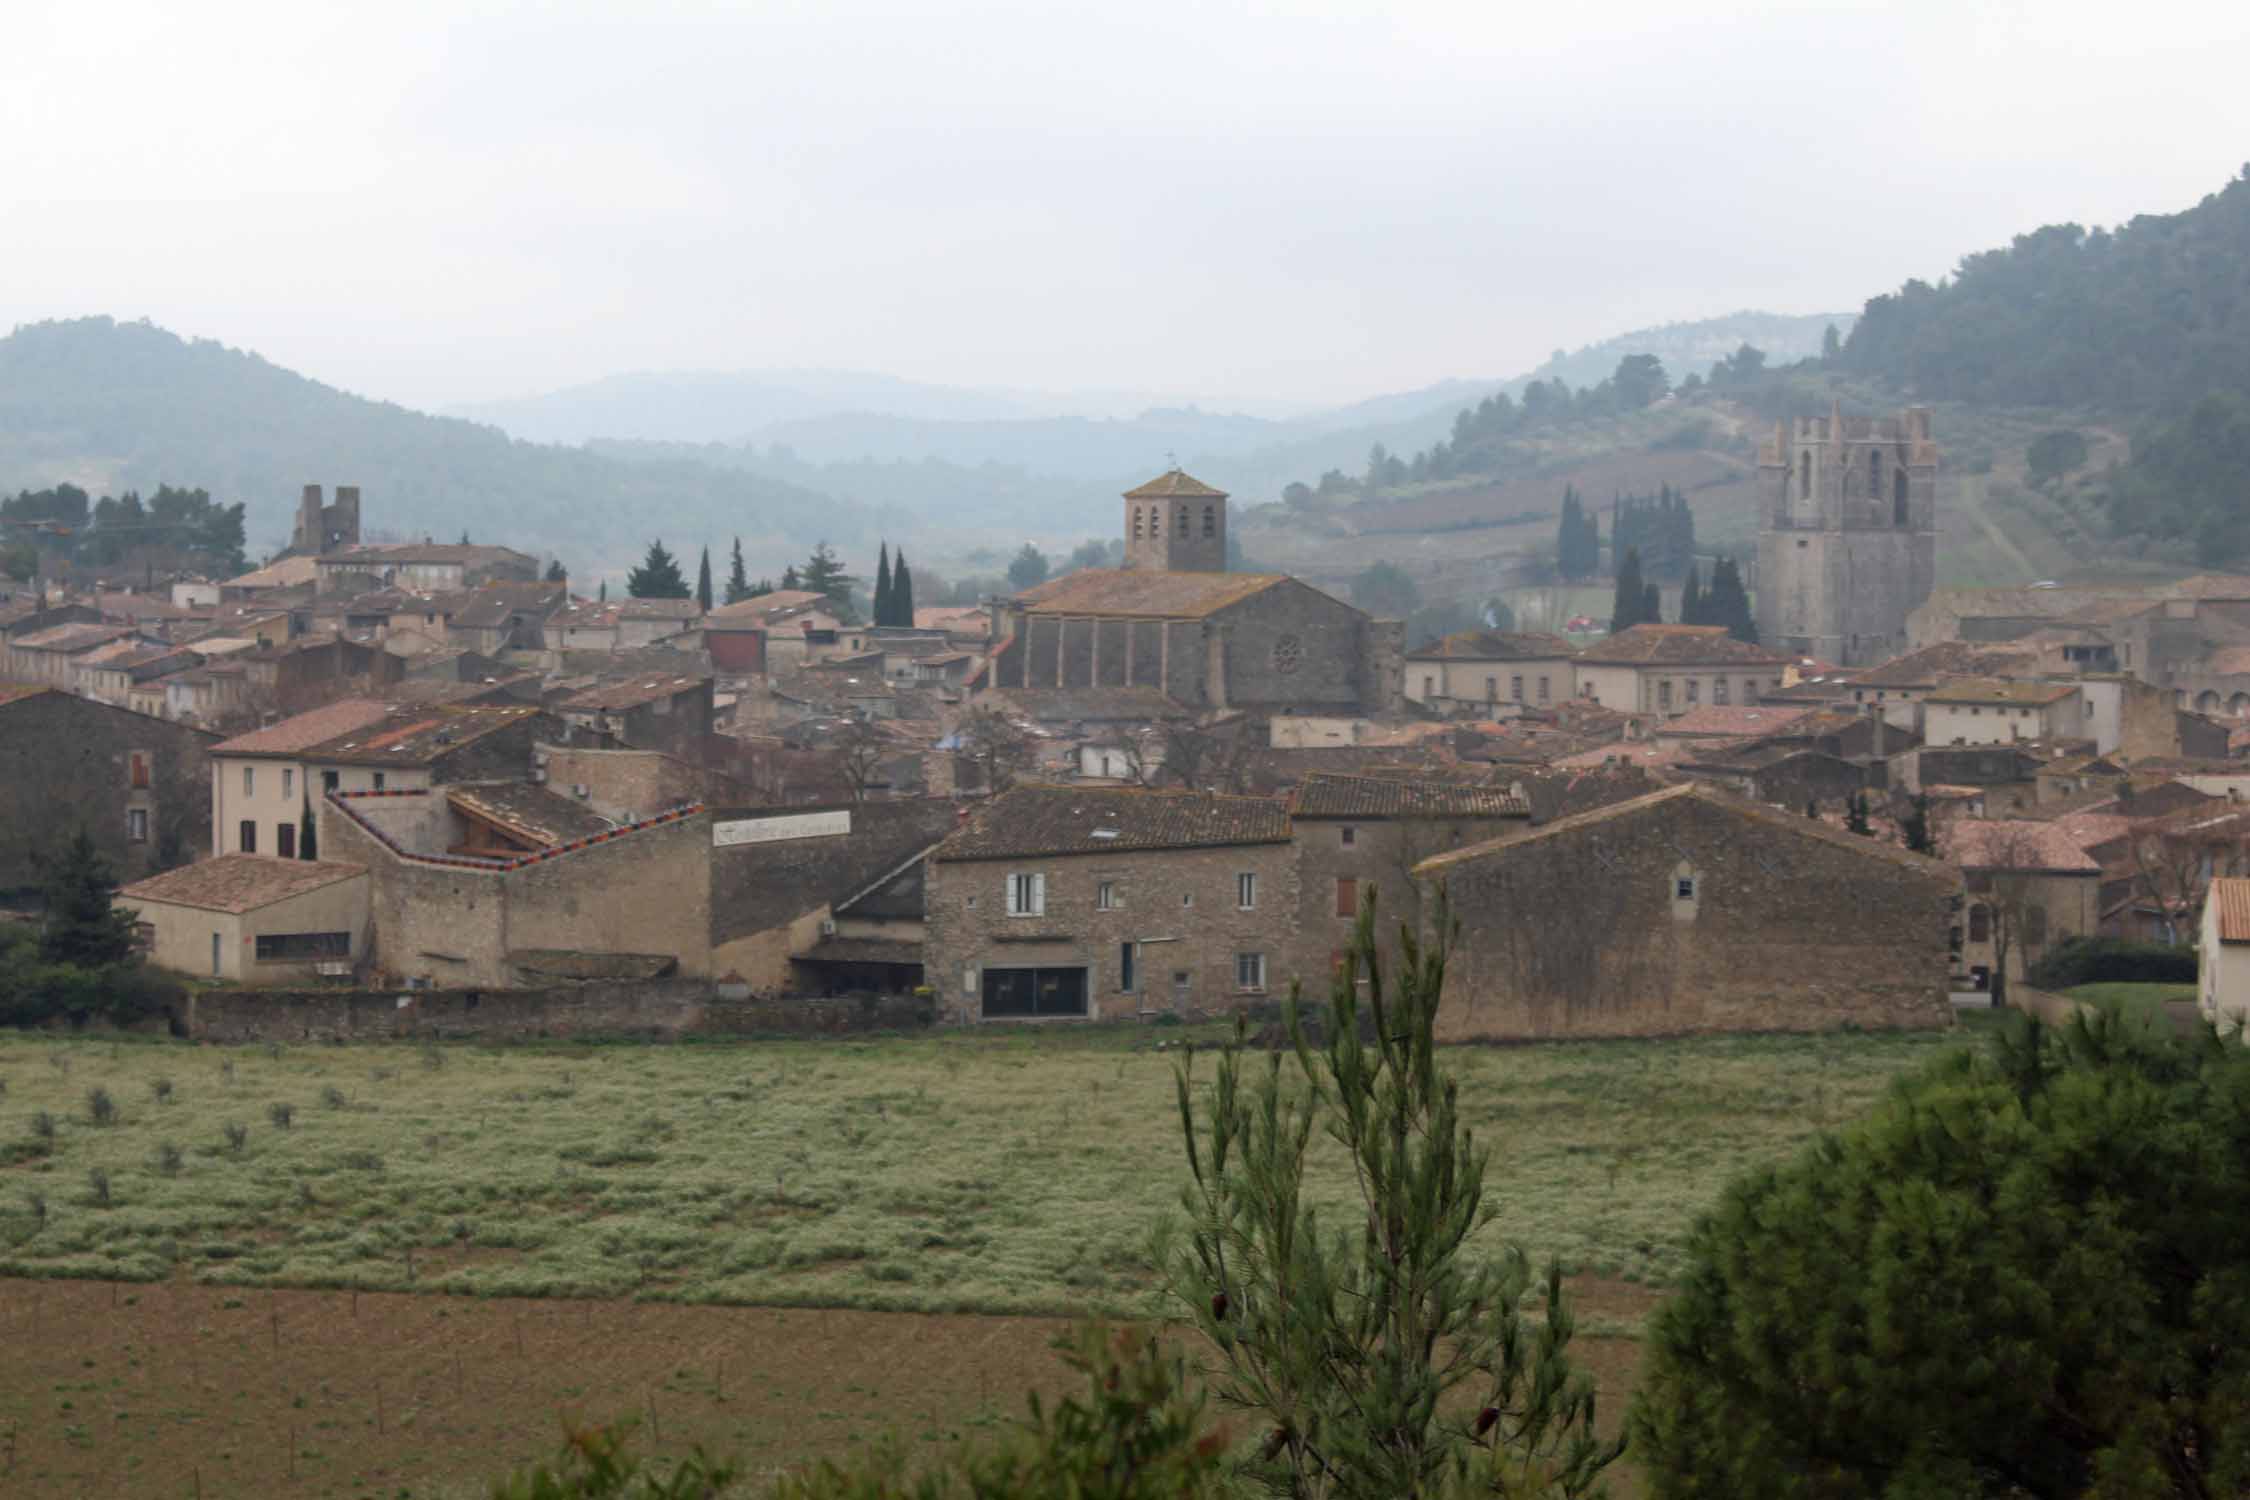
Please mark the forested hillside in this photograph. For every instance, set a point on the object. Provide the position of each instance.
(115, 406)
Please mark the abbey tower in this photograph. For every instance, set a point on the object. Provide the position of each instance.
(1176, 523)
(1847, 534)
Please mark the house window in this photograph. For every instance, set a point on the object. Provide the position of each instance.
(249, 781)
(1347, 896)
(139, 763)
(1683, 888)
(288, 782)
(2034, 926)
(282, 946)
(1719, 691)
(1027, 895)
(1980, 924)
(1210, 520)
(1694, 690)
(328, 781)
(1543, 689)
(1105, 898)
(1664, 693)
(285, 840)
(1515, 690)
(1492, 690)
(1804, 479)
(1246, 891)
(1187, 899)
(1125, 975)
(1346, 835)
(1249, 971)
(1429, 685)
(136, 825)
(378, 781)
(247, 839)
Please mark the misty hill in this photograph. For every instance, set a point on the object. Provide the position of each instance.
(729, 407)
(111, 405)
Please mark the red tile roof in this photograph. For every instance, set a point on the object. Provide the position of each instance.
(1994, 690)
(2230, 894)
(1175, 484)
(1734, 721)
(1044, 820)
(303, 731)
(2017, 844)
(1329, 795)
(1678, 645)
(1494, 645)
(239, 882)
(1144, 592)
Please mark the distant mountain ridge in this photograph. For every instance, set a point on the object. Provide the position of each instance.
(111, 405)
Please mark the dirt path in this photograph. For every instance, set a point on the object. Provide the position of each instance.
(182, 1390)
(1972, 493)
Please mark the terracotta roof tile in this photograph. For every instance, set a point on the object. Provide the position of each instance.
(1494, 645)
(2017, 844)
(1933, 664)
(239, 882)
(1044, 820)
(1175, 484)
(632, 692)
(2231, 895)
(1145, 592)
(1735, 721)
(1678, 645)
(1996, 690)
(303, 731)
(1328, 795)
(530, 812)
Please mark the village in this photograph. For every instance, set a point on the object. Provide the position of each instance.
(1162, 789)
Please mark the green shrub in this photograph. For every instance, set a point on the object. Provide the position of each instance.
(2100, 960)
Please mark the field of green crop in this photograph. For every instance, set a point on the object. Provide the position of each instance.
(993, 1171)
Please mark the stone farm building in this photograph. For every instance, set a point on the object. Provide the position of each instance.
(1691, 910)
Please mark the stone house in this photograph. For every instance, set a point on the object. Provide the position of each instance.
(1491, 667)
(2223, 983)
(267, 782)
(1690, 910)
(252, 919)
(141, 787)
(1671, 669)
(1080, 902)
(110, 675)
(47, 656)
(1896, 689)
(1357, 836)
(665, 711)
(2029, 886)
(422, 568)
(504, 617)
(1998, 711)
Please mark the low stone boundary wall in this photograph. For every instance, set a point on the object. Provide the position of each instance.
(658, 1010)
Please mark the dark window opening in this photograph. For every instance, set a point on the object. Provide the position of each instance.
(285, 841)
(1347, 896)
(1804, 477)
(275, 946)
(1898, 497)
(328, 781)
(1125, 975)
(248, 842)
(1034, 992)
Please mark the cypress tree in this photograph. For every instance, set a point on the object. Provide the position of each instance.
(883, 584)
(738, 577)
(1626, 605)
(703, 582)
(902, 591)
(1652, 605)
(308, 837)
(1691, 597)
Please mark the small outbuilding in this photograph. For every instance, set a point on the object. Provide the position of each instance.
(2224, 979)
(253, 918)
(1690, 910)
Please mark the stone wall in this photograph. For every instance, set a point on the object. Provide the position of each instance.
(1382, 855)
(1177, 905)
(624, 785)
(1581, 930)
(66, 763)
(654, 1011)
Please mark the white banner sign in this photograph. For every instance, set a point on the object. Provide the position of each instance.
(819, 825)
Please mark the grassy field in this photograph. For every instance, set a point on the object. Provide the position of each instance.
(991, 1172)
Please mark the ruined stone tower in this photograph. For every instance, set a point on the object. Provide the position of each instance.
(324, 528)
(1176, 523)
(1847, 533)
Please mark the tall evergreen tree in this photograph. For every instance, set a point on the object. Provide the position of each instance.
(703, 582)
(83, 926)
(1569, 536)
(1652, 605)
(1691, 597)
(1625, 607)
(658, 576)
(1728, 602)
(823, 573)
(883, 583)
(902, 591)
(738, 577)
(790, 582)
(308, 832)
(603, 594)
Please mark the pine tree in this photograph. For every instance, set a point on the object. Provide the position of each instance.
(902, 592)
(703, 582)
(83, 926)
(1407, 1355)
(824, 574)
(790, 582)
(1691, 597)
(738, 577)
(658, 576)
(1625, 608)
(555, 573)
(883, 584)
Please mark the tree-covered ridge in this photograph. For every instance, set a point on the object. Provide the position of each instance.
(173, 528)
(2149, 316)
(140, 407)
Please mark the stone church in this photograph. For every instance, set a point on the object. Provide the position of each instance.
(1175, 620)
(1847, 534)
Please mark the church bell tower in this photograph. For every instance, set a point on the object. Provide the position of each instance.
(1176, 523)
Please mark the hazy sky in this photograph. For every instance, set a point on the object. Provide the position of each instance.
(1311, 201)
